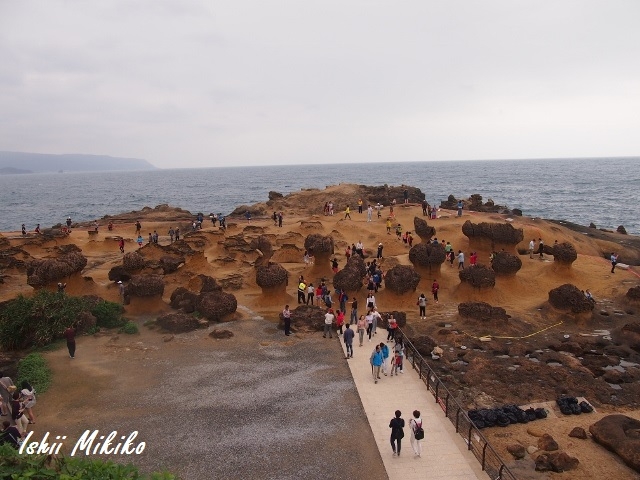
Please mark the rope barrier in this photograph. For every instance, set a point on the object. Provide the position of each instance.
(512, 338)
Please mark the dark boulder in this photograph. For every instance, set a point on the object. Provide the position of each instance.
(179, 322)
(555, 462)
(547, 443)
(43, 272)
(85, 321)
(356, 262)
(306, 318)
(424, 231)
(633, 294)
(184, 299)
(427, 255)
(205, 283)
(495, 235)
(621, 229)
(271, 275)
(564, 253)
(119, 274)
(483, 312)
(321, 246)
(221, 334)
(424, 344)
(578, 432)
(621, 435)
(401, 279)
(170, 263)
(568, 298)
(275, 195)
(133, 261)
(348, 279)
(145, 286)
(216, 305)
(518, 451)
(631, 335)
(504, 263)
(478, 276)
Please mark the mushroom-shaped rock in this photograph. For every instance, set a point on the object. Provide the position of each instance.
(356, 262)
(633, 294)
(170, 263)
(322, 247)
(145, 286)
(263, 245)
(204, 283)
(306, 318)
(348, 279)
(133, 261)
(237, 243)
(184, 299)
(216, 305)
(504, 263)
(619, 434)
(564, 253)
(424, 231)
(478, 276)
(492, 235)
(429, 255)
(568, 298)
(119, 274)
(42, 272)
(482, 311)
(401, 279)
(271, 275)
(179, 322)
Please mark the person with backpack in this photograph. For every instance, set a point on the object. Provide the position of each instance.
(422, 305)
(417, 433)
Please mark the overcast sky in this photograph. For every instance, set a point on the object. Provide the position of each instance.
(190, 83)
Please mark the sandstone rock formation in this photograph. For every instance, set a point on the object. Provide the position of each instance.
(504, 263)
(564, 253)
(185, 299)
(351, 276)
(427, 255)
(478, 276)
(179, 322)
(422, 229)
(568, 298)
(263, 244)
(145, 286)
(45, 271)
(494, 236)
(619, 434)
(119, 274)
(401, 279)
(271, 275)
(170, 263)
(631, 333)
(306, 318)
(555, 462)
(483, 312)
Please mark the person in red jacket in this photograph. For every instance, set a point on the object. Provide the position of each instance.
(434, 290)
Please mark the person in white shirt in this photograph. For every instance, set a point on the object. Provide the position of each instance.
(532, 248)
(328, 321)
(460, 260)
(416, 424)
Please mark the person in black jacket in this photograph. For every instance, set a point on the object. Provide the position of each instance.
(397, 433)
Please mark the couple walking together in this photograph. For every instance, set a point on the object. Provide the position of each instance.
(397, 433)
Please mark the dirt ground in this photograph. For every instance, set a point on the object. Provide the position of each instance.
(257, 405)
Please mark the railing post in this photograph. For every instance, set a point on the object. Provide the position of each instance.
(469, 437)
(446, 405)
(437, 386)
(428, 381)
(484, 449)
(457, 419)
(500, 471)
(420, 370)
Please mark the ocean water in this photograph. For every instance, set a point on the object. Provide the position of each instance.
(603, 191)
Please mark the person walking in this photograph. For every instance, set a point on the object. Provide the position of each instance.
(348, 340)
(385, 357)
(532, 247)
(121, 291)
(302, 291)
(28, 397)
(369, 213)
(339, 320)
(310, 294)
(17, 413)
(435, 286)
(286, 316)
(361, 326)
(399, 351)
(380, 247)
(369, 319)
(417, 433)
(391, 329)
(460, 260)
(376, 361)
(541, 248)
(347, 213)
(376, 318)
(614, 261)
(329, 317)
(6, 390)
(121, 245)
(397, 432)
(354, 311)
(460, 206)
(422, 305)
(70, 335)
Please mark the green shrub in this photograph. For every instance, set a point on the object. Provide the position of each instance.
(129, 328)
(33, 368)
(40, 467)
(108, 314)
(37, 320)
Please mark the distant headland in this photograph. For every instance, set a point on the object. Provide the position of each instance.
(12, 163)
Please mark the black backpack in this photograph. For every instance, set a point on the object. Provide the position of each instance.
(419, 432)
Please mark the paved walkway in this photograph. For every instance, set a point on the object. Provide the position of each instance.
(444, 452)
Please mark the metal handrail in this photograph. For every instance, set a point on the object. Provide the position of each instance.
(476, 442)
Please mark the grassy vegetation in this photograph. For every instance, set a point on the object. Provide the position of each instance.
(33, 368)
(41, 467)
(129, 328)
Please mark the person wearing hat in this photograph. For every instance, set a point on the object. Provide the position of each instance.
(329, 317)
(121, 290)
